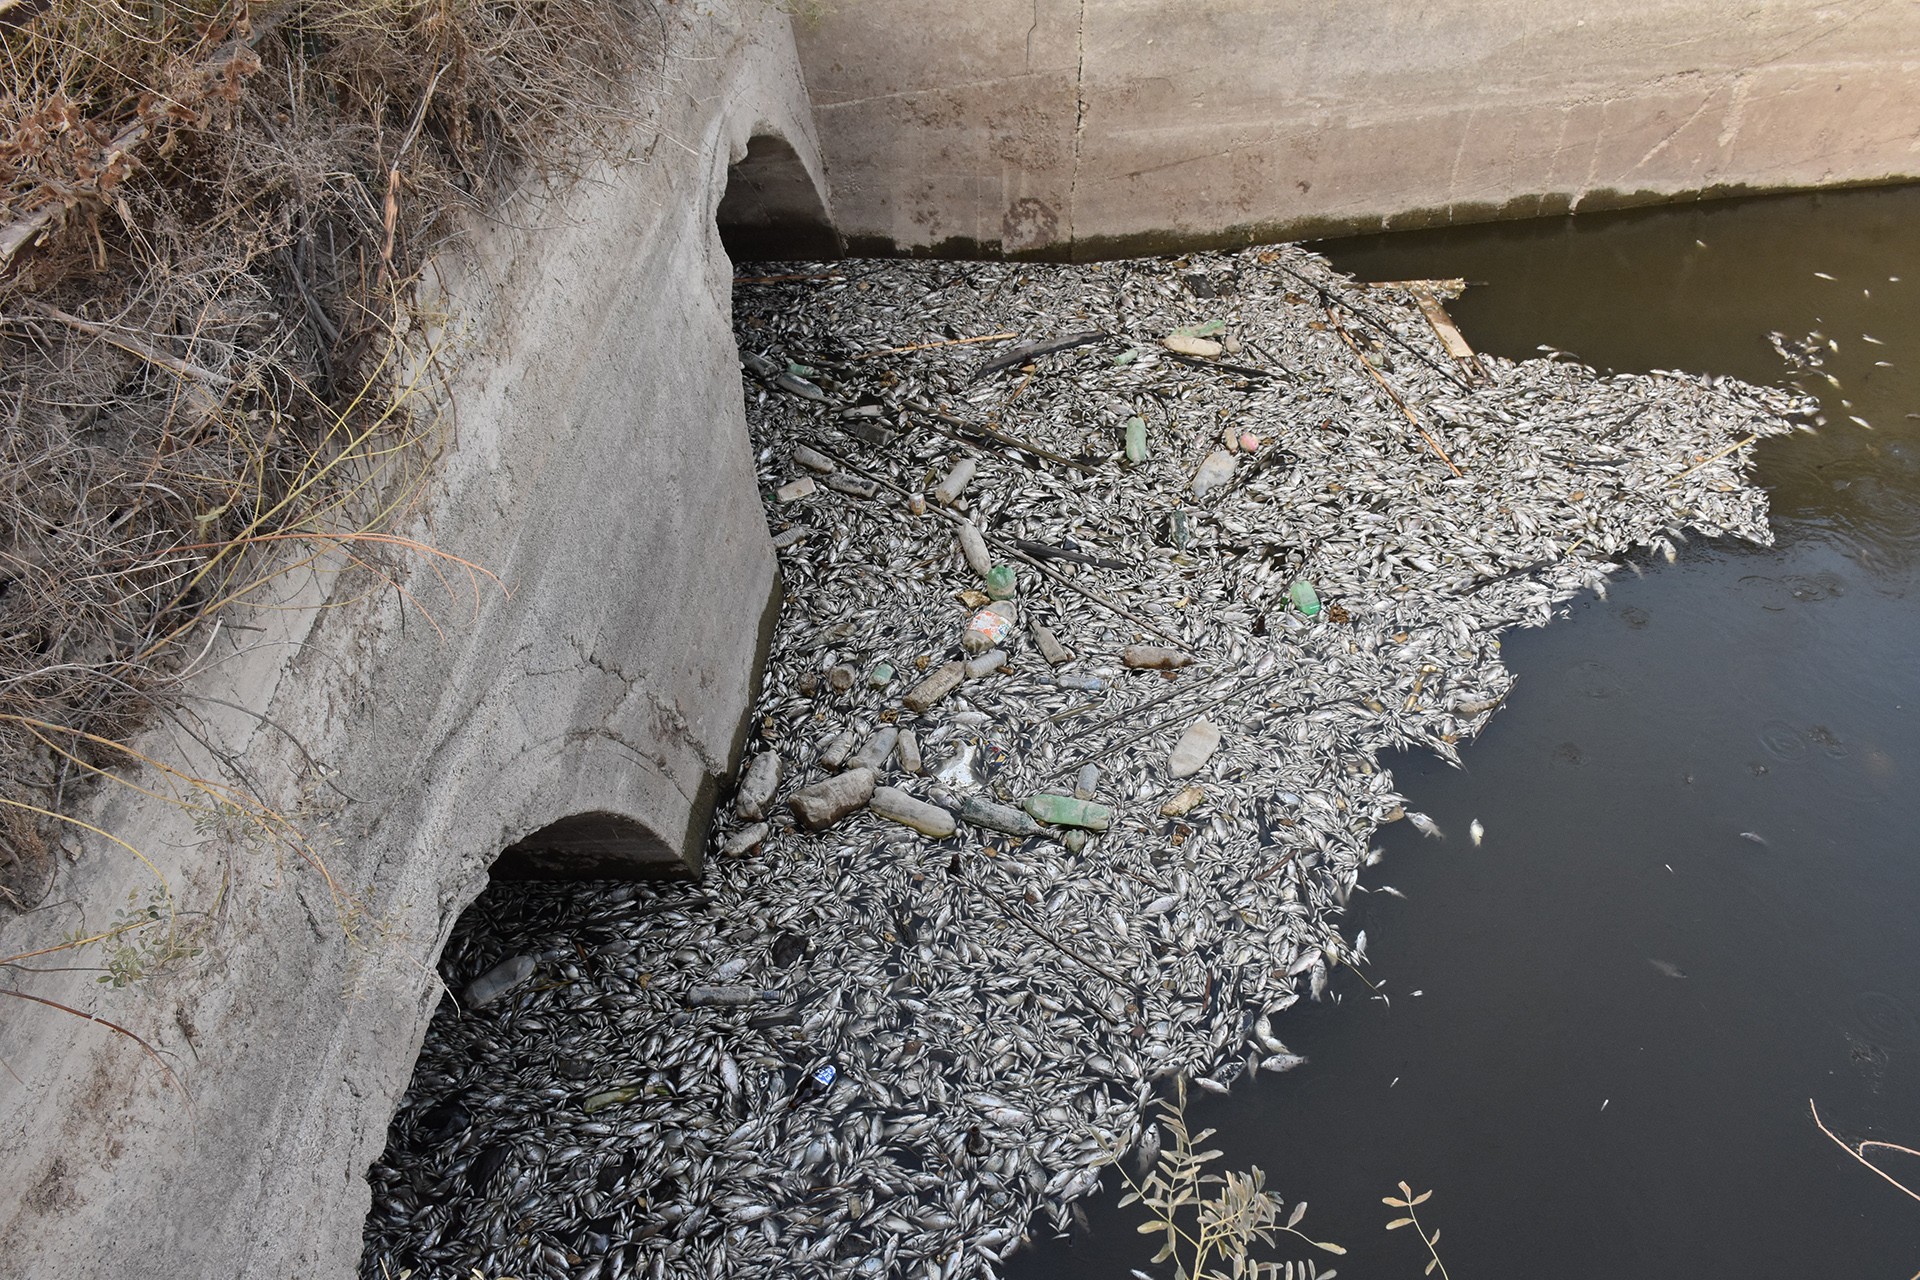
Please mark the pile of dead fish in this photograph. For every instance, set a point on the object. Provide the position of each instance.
(1065, 761)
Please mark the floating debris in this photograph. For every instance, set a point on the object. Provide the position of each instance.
(1195, 748)
(947, 1033)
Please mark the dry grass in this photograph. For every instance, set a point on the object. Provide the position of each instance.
(211, 215)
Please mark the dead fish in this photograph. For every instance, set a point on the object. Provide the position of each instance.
(1666, 968)
(1149, 1152)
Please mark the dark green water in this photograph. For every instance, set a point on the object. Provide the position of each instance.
(1579, 1112)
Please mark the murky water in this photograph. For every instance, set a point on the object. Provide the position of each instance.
(1697, 905)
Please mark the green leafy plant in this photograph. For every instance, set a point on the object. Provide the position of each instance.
(1213, 1221)
(1412, 1219)
(146, 937)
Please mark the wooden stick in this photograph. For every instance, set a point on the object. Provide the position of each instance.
(928, 346)
(831, 275)
(999, 436)
(117, 1029)
(1244, 686)
(1049, 939)
(1735, 446)
(1021, 355)
(1859, 1153)
(1449, 287)
(1449, 333)
(1391, 393)
(1053, 576)
(1066, 582)
(1361, 313)
(127, 342)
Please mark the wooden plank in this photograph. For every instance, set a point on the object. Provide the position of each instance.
(1448, 332)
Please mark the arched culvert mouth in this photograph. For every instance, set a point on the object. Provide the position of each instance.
(772, 209)
(590, 846)
(538, 1078)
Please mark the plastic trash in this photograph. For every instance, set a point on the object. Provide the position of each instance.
(990, 627)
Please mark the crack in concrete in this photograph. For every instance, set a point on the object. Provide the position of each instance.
(1667, 141)
(1079, 125)
(669, 716)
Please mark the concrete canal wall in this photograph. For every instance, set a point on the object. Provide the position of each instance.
(1091, 127)
(596, 460)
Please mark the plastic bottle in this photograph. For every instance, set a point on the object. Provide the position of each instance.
(1303, 597)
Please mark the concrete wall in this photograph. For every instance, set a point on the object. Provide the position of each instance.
(1095, 126)
(596, 459)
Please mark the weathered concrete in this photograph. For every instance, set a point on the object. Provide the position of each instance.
(596, 459)
(1098, 126)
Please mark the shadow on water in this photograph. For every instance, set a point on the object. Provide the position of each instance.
(1697, 904)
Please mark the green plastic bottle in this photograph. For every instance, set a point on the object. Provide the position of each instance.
(1069, 811)
(1303, 597)
(1000, 582)
(1136, 440)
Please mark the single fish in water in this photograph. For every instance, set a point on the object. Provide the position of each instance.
(1666, 968)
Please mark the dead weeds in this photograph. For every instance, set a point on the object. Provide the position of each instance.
(211, 215)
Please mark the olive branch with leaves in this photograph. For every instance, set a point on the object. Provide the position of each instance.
(1212, 1221)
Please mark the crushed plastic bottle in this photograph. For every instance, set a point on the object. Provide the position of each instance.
(990, 627)
(1136, 440)
(1001, 583)
(1304, 598)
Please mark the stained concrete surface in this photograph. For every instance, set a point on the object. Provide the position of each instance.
(1088, 127)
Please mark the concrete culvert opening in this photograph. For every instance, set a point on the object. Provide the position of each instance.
(772, 209)
(590, 846)
(482, 1109)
